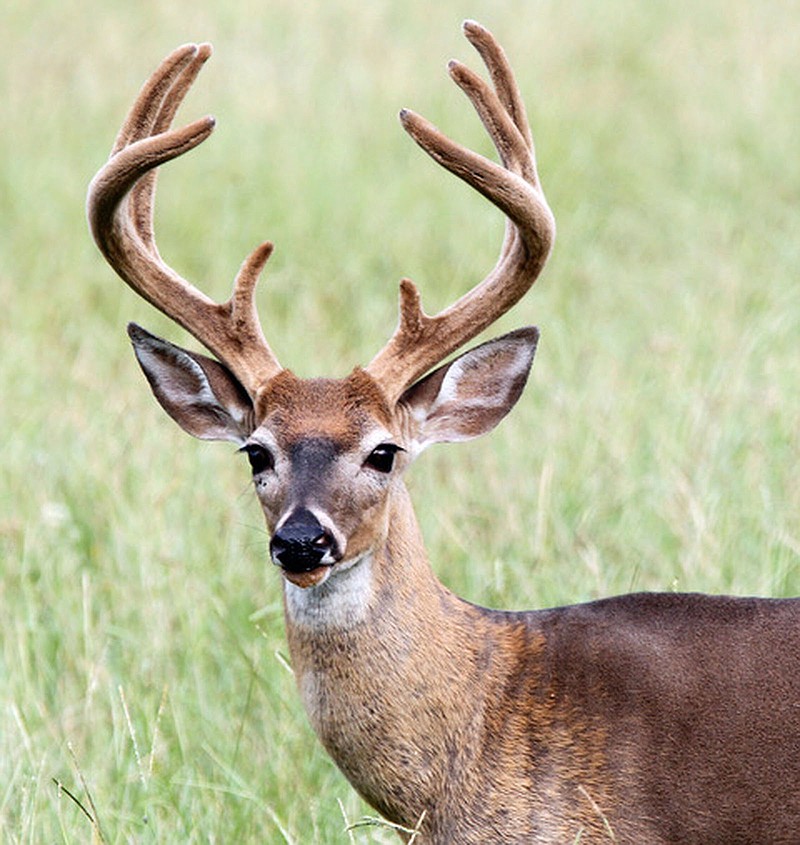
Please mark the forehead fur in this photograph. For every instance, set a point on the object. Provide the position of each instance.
(340, 409)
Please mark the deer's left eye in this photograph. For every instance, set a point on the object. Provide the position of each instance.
(381, 458)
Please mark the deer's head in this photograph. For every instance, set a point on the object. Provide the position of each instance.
(326, 454)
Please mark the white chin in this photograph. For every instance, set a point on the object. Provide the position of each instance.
(342, 596)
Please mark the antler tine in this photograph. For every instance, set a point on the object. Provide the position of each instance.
(120, 213)
(421, 341)
(502, 76)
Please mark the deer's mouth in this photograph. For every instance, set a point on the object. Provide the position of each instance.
(308, 577)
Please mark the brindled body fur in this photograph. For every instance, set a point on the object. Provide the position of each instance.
(643, 719)
(647, 718)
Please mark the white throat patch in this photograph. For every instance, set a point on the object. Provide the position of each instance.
(341, 601)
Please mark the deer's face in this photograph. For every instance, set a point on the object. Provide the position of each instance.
(326, 454)
(325, 457)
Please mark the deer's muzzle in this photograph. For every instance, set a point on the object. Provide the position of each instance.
(302, 544)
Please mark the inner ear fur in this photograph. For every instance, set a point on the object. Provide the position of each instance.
(199, 393)
(469, 396)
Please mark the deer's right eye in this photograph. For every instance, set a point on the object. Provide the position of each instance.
(260, 457)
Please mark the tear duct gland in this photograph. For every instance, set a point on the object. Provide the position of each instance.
(653, 719)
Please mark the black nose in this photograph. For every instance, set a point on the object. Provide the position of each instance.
(301, 543)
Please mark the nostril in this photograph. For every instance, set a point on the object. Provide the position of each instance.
(324, 541)
(277, 545)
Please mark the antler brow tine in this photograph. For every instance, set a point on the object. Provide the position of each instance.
(421, 341)
(120, 213)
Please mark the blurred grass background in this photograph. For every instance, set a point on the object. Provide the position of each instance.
(656, 446)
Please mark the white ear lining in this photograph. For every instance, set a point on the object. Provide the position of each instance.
(149, 359)
(476, 391)
(150, 350)
(199, 394)
(460, 368)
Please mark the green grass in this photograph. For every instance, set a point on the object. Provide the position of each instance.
(656, 448)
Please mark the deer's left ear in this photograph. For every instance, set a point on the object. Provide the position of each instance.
(470, 395)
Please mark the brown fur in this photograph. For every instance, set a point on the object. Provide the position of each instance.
(643, 719)
(640, 719)
(302, 408)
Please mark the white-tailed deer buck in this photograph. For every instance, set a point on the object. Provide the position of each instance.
(641, 719)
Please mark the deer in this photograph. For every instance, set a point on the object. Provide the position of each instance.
(648, 718)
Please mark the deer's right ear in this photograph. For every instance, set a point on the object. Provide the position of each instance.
(199, 393)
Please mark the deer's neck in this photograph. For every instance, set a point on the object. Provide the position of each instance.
(383, 655)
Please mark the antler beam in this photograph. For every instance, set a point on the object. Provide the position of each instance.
(421, 341)
(120, 213)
